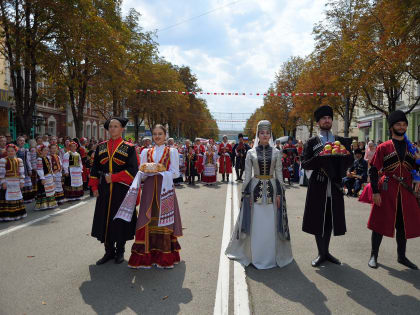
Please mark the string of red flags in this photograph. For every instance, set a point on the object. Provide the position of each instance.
(241, 93)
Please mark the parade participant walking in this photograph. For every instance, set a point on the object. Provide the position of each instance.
(395, 206)
(199, 149)
(261, 235)
(324, 208)
(57, 169)
(73, 168)
(239, 150)
(159, 222)
(45, 197)
(12, 179)
(210, 166)
(114, 167)
(225, 163)
(190, 166)
(356, 175)
(24, 154)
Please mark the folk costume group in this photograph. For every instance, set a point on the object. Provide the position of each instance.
(261, 235)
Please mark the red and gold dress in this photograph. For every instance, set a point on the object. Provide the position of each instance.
(159, 221)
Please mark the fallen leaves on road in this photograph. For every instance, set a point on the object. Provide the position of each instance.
(165, 297)
(206, 236)
(30, 256)
(44, 303)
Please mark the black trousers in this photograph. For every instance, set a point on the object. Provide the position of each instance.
(113, 248)
(400, 233)
(323, 240)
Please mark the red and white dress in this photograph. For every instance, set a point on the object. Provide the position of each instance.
(210, 168)
(225, 163)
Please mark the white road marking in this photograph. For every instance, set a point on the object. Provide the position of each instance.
(221, 306)
(56, 212)
(240, 287)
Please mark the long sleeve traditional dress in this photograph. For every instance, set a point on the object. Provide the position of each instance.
(159, 222)
(11, 199)
(45, 197)
(73, 181)
(57, 168)
(267, 243)
(27, 191)
(210, 168)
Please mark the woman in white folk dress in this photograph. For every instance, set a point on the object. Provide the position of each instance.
(261, 235)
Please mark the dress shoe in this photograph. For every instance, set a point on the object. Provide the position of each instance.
(104, 259)
(318, 261)
(332, 259)
(373, 261)
(119, 258)
(404, 261)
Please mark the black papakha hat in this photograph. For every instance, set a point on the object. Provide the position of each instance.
(395, 117)
(322, 111)
(240, 135)
(358, 151)
(123, 122)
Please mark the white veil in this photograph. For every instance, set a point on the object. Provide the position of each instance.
(263, 125)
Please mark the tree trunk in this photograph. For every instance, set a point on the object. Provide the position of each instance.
(347, 117)
(136, 127)
(311, 128)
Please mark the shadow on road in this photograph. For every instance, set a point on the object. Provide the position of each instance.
(410, 276)
(290, 283)
(368, 293)
(114, 288)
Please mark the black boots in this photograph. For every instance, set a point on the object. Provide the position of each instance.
(323, 244)
(401, 247)
(223, 177)
(111, 253)
(376, 242)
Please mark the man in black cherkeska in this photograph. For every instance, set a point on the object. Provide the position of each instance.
(239, 154)
(114, 166)
(324, 208)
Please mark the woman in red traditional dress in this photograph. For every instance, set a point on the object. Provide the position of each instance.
(159, 222)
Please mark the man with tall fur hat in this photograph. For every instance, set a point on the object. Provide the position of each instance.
(114, 167)
(239, 154)
(395, 206)
(324, 208)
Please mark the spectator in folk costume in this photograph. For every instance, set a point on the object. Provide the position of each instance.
(190, 166)
(356, 175)
(3, 142)
(239, 152)
(199, 149)
(34, 156)
(73, 169)
(210, 166)
(24, 154)
(225, 163)
(292, 154)
(12, 179)
(45, 197)
(287, 167)
(396, 211)
(113, 170)
(57, 169)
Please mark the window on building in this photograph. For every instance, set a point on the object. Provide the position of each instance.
(94, 131)
(88, 134)
(379, 130)
(51, 127)
(379, 98)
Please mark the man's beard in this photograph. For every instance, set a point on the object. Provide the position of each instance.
(325, 128)
(397, 133)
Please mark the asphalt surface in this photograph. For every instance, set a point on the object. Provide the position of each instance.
(49, 267)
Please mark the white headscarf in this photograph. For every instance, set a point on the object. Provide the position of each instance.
(263, 125)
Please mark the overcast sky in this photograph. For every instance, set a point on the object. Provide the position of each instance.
(237, 47)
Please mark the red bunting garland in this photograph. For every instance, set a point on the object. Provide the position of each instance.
(241, 94)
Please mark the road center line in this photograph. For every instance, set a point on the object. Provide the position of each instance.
(240, 287)
(54, 213)
(221, 306)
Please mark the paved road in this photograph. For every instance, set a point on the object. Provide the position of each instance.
(48, 267)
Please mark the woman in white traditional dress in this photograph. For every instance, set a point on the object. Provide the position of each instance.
(210, 166)
(45, 197)
(261, 235)
(57, 168)
(12, 179)
(73, 169)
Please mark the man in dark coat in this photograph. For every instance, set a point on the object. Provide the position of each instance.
(324, 208)
(114, 167)
(356, 175)
(239, 154)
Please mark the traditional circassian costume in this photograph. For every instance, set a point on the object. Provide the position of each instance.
(292, 154)
(159, 221)
(200, 150)
(11, 199)
(324, 208)
(239, 151)
(73, 181)
(45, 197)
(225, 163)
(287, 167)
(190, 167)
(57, 169)
(210, 167)
(399, 209)
(84, 155)
(119, 159)
(27, 190)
